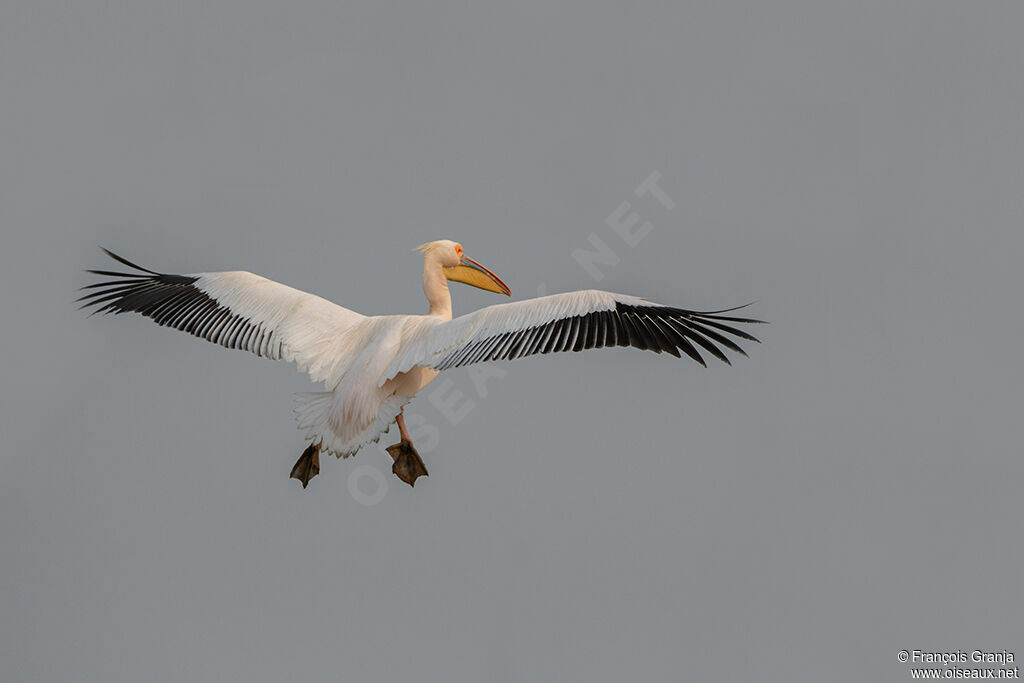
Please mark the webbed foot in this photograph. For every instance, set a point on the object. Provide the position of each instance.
(408, 463)
(308, 465)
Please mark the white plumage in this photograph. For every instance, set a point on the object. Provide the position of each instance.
(371, 366)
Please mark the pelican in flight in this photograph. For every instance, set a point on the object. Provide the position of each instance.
(372, 366)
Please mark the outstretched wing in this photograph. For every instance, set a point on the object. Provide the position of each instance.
(573, 321)
(237, 310)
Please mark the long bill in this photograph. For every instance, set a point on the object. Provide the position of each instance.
(472, 273)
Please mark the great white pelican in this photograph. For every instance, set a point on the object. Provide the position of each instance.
(372, 366)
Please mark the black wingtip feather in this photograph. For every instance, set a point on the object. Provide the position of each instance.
(174, 300)
(126, 262)
(723, 310)
(746, 321)
(111, 273)
(648, 327)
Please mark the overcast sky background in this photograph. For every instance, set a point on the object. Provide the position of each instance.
(850, 490)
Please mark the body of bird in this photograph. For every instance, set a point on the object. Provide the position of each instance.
(372, 366)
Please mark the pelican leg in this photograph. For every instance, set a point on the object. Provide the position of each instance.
(408, 463)
(308, 465)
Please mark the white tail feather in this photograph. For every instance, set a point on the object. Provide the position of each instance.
(313, 412)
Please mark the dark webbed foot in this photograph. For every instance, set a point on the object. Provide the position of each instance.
(308, 465)
(408, 463)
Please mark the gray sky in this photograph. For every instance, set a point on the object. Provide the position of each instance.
(850, 490)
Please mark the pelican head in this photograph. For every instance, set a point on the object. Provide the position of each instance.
(458, 267)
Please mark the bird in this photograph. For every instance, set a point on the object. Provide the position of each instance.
(372, 366)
